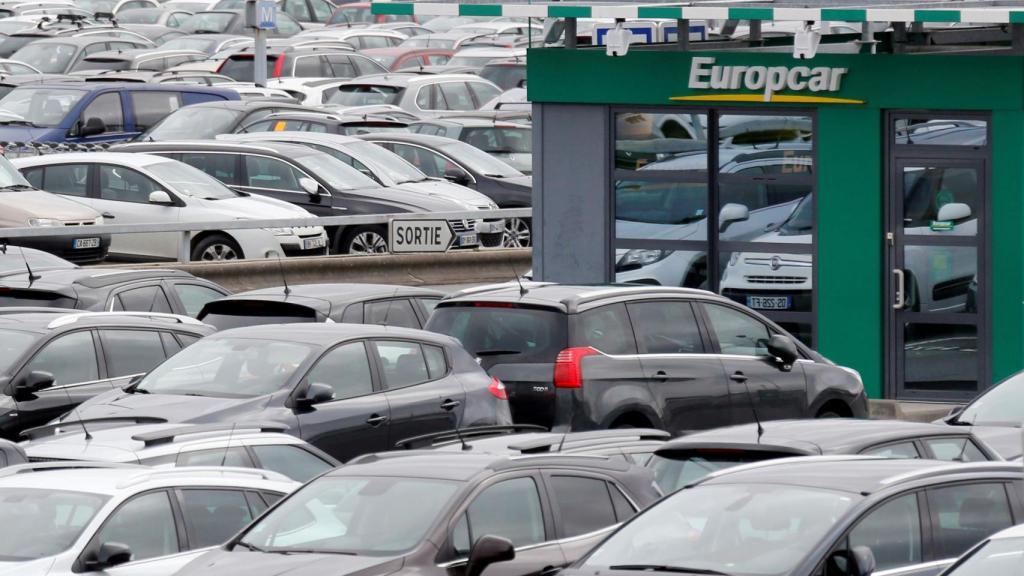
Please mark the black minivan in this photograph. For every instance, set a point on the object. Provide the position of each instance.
(591, 357)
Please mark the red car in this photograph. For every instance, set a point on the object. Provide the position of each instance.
(399, 58)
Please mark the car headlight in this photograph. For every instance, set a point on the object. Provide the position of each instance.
(644, 257)
(280, 231)
(734, 259)
(98, 221)
(43, 222)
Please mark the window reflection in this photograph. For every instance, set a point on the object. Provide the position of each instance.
(941, 132)
(940, 201)
(940, 357)
(941, 278)
(661, 210)
(768, 281)
(643, 139)
(687, 268)
(750, 134)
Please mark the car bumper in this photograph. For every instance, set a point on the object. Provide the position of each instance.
(305, 244)
(64, 247)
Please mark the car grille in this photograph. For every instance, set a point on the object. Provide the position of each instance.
(38, 459)
(84, 223)
(775, 279)
(300, 252)
(460, 226)
(84, 255)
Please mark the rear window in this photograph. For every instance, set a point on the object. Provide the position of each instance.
(17, 297)
(240, 68)
(674, 469)
(502, 333)
(366, 95)
(238, 313)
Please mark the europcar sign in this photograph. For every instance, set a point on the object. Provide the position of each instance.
(764, 82)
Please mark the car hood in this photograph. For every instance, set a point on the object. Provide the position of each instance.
(467, 197)
(1006, 440)
(629, 229)
(406, 199)
(170, 407)
(17, 207)
(39, 567)
(14, 133)
(253, 207)
(243, 563)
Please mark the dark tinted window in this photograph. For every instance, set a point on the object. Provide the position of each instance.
(606, 329)
(673, 470)
(402, 363)
(70, 358)
(151, 107)
(346, 369)
(503, 334)
(892, 532)
(437, 366)
(397, 312)
(623, 508)
(216, 457)
(34, 177)
(131, 351)
(69, 179)
(510, 509)
(292, 461)
(122, 184)
(456, 96)
(152, 511)
(666, 328)
(584, 505)
(271, 173)
(145, 299)
(234, 314)
(964, 515)
(737, 332)
(193, 297)
(106, 107)
(213, 516)
(220, 166)
(342, 66)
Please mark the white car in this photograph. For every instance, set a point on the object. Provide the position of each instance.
(1001, 554)
(478, 56)
(144, 189)
(309, 91)
(67, 519)
(360, 38)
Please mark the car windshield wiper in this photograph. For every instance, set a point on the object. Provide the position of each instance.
(17, 187)
(665, 568)
(19, 122)
(249, 546)
(307, 551)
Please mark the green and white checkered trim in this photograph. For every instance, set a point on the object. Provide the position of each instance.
(973, 15)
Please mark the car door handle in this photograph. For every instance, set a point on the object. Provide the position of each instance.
(738, 377)
(376, 420)
(107, 215)
(450, 405)
(660, 376)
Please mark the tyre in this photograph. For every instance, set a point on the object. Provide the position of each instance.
(828, 414)
(216, 247)
(518, 233)
(365, 240)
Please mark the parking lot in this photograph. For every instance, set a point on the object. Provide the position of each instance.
(294, 288)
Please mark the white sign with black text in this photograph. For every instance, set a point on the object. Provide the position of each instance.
(420, 236)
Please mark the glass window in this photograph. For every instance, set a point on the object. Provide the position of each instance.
(41, 523)
(322, 9)
(122, 184)
(941, 132)
(768, 281)
(429, 304)
(292, 461)
(965, 515)
(309, 67)
(749, 134)
(506, 335)
(941, 201)
(68, 179)
(510, 509)
(213, 516)
(892, 532)
(263, 172)
(430, 163)
(492, 140)
(675, 141)
(152, 511)
(606, 329)
(665, 328)
(736, 332)
(236, 457)
(624, 510)
(437, 366)
(223, 167)
(584, 505)
(152, 107)
(661, 210)
(342, 66)
(662, 267)
(70, 358)
(1000, 557)
(402, 364)
(131, 352)
(483, 93)
(193, 297)
(396, 312)
(897, 450)
(429, 97)
(106, 107)
(765, 211)
(171, 344)
(957, 356)
(145, 299)
(298, 9)
(955, 449)
(457, 96)
(346, 370)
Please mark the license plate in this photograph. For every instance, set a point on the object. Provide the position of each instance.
(86, 243)
(468, 240)
(311, 243)
(769, 302)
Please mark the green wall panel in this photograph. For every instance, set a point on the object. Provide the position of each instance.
(1007, 243)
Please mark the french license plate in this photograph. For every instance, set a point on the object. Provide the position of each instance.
(769, 302)
(86, 243)
(312, 243)
(468, 240)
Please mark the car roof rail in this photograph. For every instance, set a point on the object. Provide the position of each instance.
(495, 287)
(167, 436)
(51, 429)
(72, 318)
(427, 440)
(599, 293)
(8, 310)
(946, 467)
(782, 462)
(207, 471)
(62, 465)
(545, 445)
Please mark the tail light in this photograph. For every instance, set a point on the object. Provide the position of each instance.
(497, 389)
(278, 66)
(568, 372)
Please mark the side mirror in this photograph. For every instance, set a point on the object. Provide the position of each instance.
(730, 214)
(312, 187)
(954, 212)
(316, 393)
(861, 561)
(486, 551)
(110, 554)
(783, 348)
(92, 127)
(33, 382)
(160, 197)
(457, 176)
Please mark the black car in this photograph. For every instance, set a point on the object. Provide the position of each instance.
(208, 119)
(348, 389)
(510, 141)
(384, 304)
(458, 162)
(685, 460)
(15, 260)
(995, 416)
(817, 516)
(52, 359)
(438, 514)
(586, 357)
(112, 289)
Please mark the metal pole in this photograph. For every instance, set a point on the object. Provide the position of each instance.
(683, 34)
(570, 32)
(185, 246)
(755, 31)
(260, 59)
(1017, 38)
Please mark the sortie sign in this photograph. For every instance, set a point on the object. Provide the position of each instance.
(420, 236)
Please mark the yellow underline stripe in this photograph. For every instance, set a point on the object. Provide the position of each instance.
(774, 98)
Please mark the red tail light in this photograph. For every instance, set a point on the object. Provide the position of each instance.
(568, 372)
(497, 388)
(278, 66)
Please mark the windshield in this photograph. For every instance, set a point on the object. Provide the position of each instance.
(241, 67)
(336, 173)
(470, 61)
(16, 68)
(196, 122)
(227, 368)
(89, 64)
(1003, 404)
(502, 334)
(95, 6)
(500, 140)
(390, 164)
(385, 61)
(215, 22)
(37, 523)
(670, 203)
(1002, 557)
(139, 16)
(12, 345)
(189, 43)
(47, 57)
(44, 107)
(366, 94)
(372, 516)
(479, 161)
(676, 469)
(702, 528)
(185, 179)
(9, 175)
(801, 221)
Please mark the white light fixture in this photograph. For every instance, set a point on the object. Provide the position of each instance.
(805, 43)
(617, 40)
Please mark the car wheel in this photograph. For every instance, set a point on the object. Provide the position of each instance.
(365, 240)
(828, 414)
(518, 233)
(216, 248)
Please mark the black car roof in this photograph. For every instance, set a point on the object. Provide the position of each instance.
(823, 436)
(463, 466)
(88, 277)
(564, 297)
(284, 149)
(325, 335)
(41, 322)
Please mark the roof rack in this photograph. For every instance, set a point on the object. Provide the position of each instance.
(64, 465)
(8, 310)
(781, 462)
(51, 429)
(217, 471)
(543, 445)
(943, 467)
(72, 318)
(427, 440)
(167, 436)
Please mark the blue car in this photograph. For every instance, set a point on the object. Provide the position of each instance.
(86, 113)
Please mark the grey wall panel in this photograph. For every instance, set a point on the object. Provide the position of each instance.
(571, 200)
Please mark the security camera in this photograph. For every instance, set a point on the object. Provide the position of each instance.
(805, 44)
(617, 40)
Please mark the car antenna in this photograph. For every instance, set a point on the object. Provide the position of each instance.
(284, 277)
(81, 421)
(522, 289)
(31, 277)
(753, 408)
(227, 447)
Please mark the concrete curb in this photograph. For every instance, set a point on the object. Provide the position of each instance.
(458, 267)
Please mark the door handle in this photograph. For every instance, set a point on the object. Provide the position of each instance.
(738, 377)
(107, 215)
(661, 376)
(376, 420)
(901, 287)
(450, 405)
